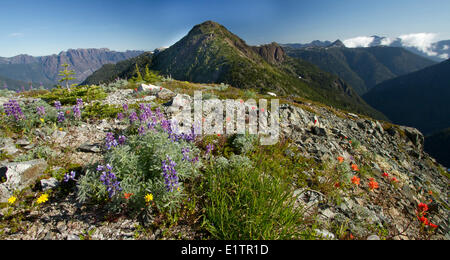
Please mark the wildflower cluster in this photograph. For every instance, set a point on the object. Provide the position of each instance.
(40, 110)
(422, 211)
(109, 179)
(12, 108)
(69, 176)
(61, 118)
(111, 142)
(77, 108)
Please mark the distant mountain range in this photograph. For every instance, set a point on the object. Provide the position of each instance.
(362, 68)
(210, 53)
(44, 70)
(420, 99)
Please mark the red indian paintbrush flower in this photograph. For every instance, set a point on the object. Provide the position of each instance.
(356, 180)
(373, 184)
(423, 207)
(127, 195)
(355, 167)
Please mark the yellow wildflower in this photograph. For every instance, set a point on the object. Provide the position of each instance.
(149, 197)
(12, 200)
(42, 120)
(60, 129)
(42, 199)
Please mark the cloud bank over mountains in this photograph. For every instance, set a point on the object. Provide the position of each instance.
(426, 44)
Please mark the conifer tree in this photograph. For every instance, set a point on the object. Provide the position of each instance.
(138, 77)
(66, 75)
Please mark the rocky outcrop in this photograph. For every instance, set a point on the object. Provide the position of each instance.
(398, 151)
(19, 176)
(272, 53)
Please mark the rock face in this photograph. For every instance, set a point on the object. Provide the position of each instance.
(272, 53)
(19, 176)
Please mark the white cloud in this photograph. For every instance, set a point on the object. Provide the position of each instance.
(446, 47)
(444, 56)
(16, 35)
(387, 41)
(421, 41)
(362, 41)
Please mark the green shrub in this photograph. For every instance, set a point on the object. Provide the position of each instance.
(244, 144)
(66, 97)
(117, 84)
(101, 111)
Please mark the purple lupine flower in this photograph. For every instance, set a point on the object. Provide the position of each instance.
(195, 159)
(31, 86)
(159, 114)
(61, 117)
(125, 107)
(121, 140)
(151, 125)
(109, 179)
(120, 116)
(170, 174)
(110, 141)
(143, 117)
(76, 111)
(165, 124)
(12, 108)
(69, 176)
(5, 86)
(141, 130)
(40, 110)
(57, 105)
(133, 117)
(80, 103)
(209, 148)
(185, 152)
(23, 89)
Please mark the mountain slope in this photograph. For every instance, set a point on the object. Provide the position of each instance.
(363, 68)
(437, 145)
(46, 69)
(420, 99)
(210, 53)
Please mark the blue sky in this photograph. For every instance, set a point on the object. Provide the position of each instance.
(43, 27)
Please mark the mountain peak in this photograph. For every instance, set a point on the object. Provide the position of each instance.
(337, 44)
